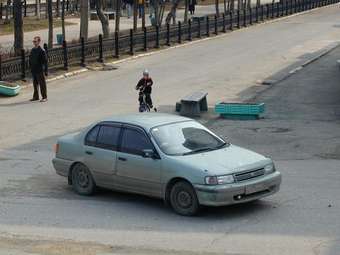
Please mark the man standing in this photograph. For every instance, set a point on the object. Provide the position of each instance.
(38, 65)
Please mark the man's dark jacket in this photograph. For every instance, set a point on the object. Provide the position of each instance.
(38, 60)
(144, 85)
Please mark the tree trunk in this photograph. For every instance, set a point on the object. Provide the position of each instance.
(186, 3)
(248, 4)
(118, 4)
(217, 8)
(135, 14)
(50, 23)
(232, 5)
(225, 6)
(37, 8)
(156, 11)
(143, 14)
(103, 19)
(84, 19)
(172, 12)
(258, 2)
(63, 20)
(18, 27)
(58, 8)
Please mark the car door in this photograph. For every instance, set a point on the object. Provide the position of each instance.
(136, 173)
(101, 145)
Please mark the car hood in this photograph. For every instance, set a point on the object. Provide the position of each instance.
(228, 160)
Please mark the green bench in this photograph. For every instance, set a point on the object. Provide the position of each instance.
(240, 111)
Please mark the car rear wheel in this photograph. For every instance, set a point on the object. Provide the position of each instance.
(82, 180)
(183, 199)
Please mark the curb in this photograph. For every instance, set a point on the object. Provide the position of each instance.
(301, 66)
(185, 44)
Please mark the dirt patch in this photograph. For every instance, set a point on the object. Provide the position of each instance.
(65, 247)
(31, 24)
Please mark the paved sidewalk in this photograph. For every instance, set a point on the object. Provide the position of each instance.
(72, 31)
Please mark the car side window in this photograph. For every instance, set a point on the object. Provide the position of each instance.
(108, 137)
(91, 136)
(134, 142)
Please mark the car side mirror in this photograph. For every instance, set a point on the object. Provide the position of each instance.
(149, 154)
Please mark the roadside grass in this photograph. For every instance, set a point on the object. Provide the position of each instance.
(31, 24)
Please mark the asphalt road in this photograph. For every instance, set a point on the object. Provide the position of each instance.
(40, 214)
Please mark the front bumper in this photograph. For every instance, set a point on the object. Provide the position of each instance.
(62, 166)
(219, 195)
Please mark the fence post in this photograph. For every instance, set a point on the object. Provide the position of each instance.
(257, 13)
(131, 42)
(208, 27)
(23, 64)
(223, 20)
(116, 44)
(273, 7)
(287, 8)
(46, 52)
(145, 39)
(100, 40)
(0, 67)
(268, 14)
(189, 30)
(250, 16)
(82, 53)
(278, 5)
(168, 34)
(179, 32)
(215, 25)
(262, 13)
(65, 55)
(245, 17)
(199, 28)
(1, 8)
(231, 21)
(157, 36)
(238, 19)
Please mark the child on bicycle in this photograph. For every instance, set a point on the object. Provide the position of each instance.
(145, 88)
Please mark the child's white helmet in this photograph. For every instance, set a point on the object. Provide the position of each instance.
(146, 72)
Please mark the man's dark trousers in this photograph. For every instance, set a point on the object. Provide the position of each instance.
(39, 81)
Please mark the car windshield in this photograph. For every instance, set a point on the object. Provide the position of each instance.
(185, 138)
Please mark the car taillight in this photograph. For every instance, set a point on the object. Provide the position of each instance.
(56, 148)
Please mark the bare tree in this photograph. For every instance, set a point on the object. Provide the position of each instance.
(143, 14)
(37, 9)
(50, 23)
(118, 5)
(186, 3)
(103, 19)
(58, 8)
(84, 19)
(18, 27)
(172, 12)
(135, 14)
(63, 20)
(217, 7)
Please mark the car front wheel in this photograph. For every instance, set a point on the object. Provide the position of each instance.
(183, 199)
(82, 180)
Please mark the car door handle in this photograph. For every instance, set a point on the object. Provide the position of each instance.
(89, 152)
(122, 159)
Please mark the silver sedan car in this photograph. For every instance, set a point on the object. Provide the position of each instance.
(164, 156)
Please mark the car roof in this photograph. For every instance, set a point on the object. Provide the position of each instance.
(147, 120)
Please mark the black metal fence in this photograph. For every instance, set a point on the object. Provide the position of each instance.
(155, 37)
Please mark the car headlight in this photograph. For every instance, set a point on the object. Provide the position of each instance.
(222, 179)
(270, 168)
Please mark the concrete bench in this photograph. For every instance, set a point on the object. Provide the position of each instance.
(94, 16)
(193, 104)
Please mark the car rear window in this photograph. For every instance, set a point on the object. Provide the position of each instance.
(91, 137)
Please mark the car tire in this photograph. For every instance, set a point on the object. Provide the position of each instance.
(82, 180)
(183, 199)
